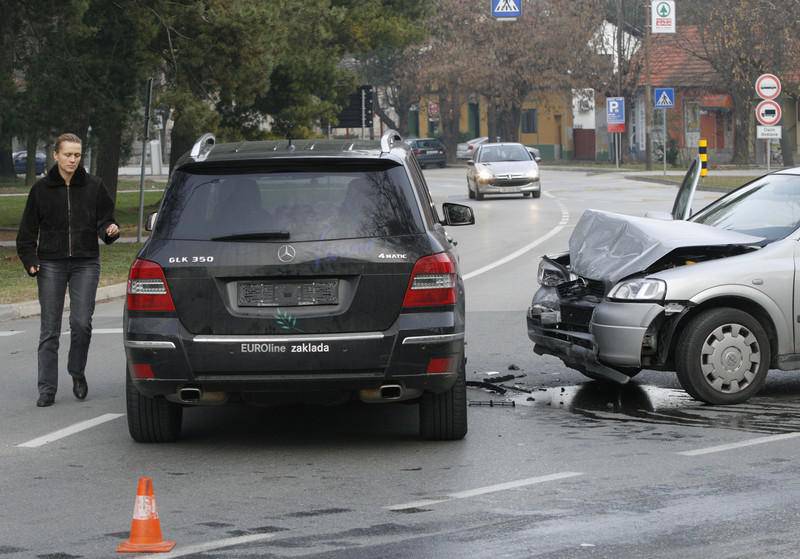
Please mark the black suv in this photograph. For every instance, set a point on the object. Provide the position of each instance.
(296, 271)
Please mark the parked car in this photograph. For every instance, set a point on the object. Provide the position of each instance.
(467, 149)
(713, 296)
(21, 162)
(302, 271)
(429, 151)
(537, 155)
(505, 168)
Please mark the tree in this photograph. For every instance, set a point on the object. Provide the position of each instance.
(741, 40)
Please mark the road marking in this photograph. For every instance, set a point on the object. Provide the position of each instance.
(6, 333)
(210, 546)
(484, 490)
(101, 331)
(71, 430)
(530, 246)
(732, 446)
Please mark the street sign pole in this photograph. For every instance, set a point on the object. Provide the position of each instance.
(664, 148)
(768, 152)
(145, 137)
(363, 111)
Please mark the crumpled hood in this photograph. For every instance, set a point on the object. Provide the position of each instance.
(608, 247)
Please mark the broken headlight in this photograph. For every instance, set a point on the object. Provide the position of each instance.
(549, 275)
(640, 289)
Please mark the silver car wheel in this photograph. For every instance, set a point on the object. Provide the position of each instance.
(730, 358)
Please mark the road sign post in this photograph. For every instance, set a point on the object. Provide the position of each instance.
(615, 120)
(664, 99)
(768, 111)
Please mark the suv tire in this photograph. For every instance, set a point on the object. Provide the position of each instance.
(719, 337)
(478, 193)
(537, 193)
(151, 420)
(470, 193)
(443, 417)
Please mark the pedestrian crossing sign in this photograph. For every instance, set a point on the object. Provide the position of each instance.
(664, 97)
(506, 9)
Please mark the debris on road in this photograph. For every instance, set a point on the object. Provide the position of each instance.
(486, 385)
(493, 403)
(513, 367)
(503, 378)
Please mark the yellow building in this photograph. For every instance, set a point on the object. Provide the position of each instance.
(545, 123)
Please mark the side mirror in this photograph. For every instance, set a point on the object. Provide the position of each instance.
(471, 163)
(151, 221)
(457, 214)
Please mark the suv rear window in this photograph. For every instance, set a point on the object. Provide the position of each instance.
(295, 204)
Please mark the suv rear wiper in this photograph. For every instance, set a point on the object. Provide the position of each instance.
(264, 235)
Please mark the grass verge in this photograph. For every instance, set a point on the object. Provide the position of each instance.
(126, 212)
(17, 286)
(711, 182)
(17, 185)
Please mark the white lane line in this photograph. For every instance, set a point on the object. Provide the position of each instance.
(6, 333)
(100, 331)
(741, 444)
(484, 490)
(527, 248)
(71, 430)
(210, 546)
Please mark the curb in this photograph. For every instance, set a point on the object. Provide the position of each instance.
(31, 308)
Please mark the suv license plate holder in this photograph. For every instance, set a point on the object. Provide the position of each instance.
(287, 293)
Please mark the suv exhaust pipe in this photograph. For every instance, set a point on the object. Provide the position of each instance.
(388, 393)
(190, 394)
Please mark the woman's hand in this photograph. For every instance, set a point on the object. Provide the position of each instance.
(33, 270)
(112, 230)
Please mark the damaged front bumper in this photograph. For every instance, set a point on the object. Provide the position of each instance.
(601, 339)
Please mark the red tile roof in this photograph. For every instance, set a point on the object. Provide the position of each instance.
(674, 60)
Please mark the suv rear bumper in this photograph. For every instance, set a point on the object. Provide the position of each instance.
(353, 361)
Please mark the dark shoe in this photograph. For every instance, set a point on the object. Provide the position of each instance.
(45, 400)
(80, 388)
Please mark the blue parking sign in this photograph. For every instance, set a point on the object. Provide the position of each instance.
(615, 109)
(506, 9)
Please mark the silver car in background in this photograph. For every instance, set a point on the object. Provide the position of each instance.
(466, 150)
(503, 168)
(713, 297)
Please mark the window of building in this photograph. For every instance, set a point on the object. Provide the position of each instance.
(530, 121)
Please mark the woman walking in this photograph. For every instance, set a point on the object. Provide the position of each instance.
(65, 213)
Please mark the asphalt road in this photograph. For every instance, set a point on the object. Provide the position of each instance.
(574, 469)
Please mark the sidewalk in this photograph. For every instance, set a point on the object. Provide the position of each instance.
(25, 309)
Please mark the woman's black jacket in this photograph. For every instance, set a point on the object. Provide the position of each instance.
(63, 221)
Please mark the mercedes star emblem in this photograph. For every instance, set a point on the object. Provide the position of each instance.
(286, 253)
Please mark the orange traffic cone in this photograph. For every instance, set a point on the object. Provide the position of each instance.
(145, 526)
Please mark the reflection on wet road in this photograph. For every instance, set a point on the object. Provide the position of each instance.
(642, 404)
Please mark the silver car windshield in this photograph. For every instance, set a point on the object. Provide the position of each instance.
(768, 207)
(495, 154)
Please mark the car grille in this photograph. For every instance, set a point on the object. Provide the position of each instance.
(511, 180)
(581, 287)
(576, 316)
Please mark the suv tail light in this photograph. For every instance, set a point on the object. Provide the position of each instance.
(147, 288)
(433, 282)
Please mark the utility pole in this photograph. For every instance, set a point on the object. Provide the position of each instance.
(620, 25)
(648, 102)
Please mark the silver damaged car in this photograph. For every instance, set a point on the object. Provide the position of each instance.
(712, 296)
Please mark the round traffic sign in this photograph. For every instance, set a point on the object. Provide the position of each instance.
(768, 112)
(768, 86)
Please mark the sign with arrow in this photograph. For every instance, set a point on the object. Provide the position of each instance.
(506, 9)
(664, 97)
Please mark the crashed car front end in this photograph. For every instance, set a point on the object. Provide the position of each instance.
(600, 310)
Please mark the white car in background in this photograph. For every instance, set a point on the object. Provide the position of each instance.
(467, 149)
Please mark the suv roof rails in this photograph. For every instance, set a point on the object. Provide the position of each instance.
(203, 146)
(388, 139)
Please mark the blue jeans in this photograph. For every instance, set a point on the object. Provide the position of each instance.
(81, 275)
